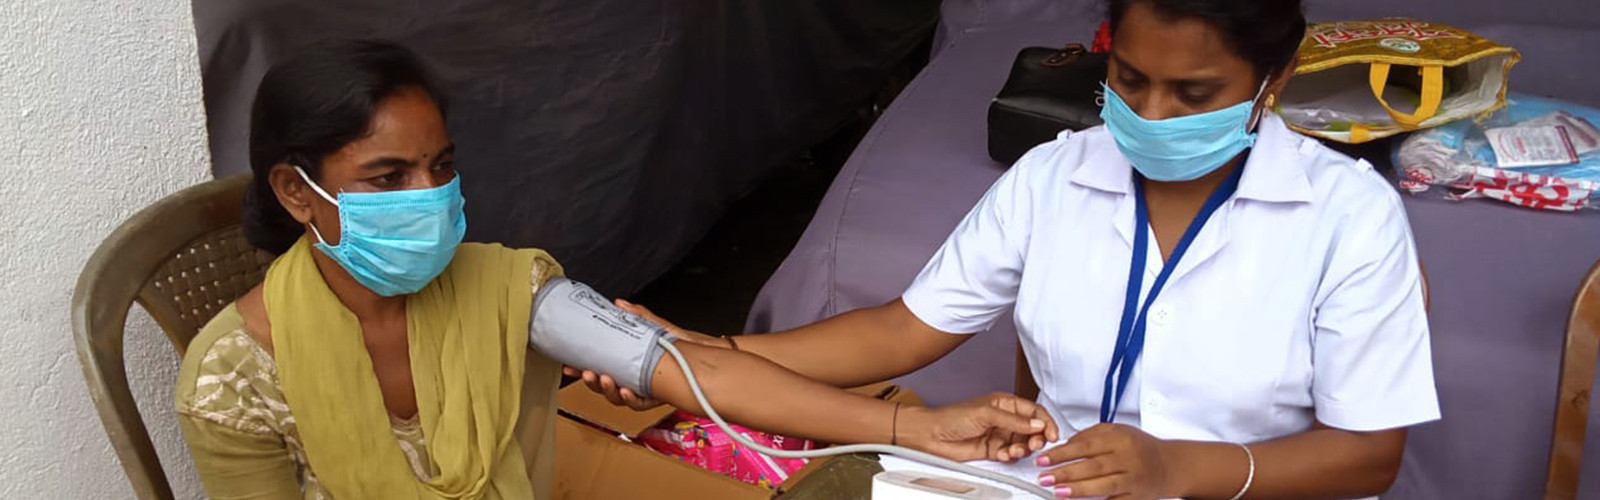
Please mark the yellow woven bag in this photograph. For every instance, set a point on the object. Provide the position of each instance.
(1346, 87)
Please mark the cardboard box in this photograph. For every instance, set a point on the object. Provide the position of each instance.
(594, 464)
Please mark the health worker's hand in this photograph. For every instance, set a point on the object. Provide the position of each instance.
(1109, 461)
(1000, 426)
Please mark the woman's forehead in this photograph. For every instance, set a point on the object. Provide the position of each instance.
(407, 125)
(1170, 47)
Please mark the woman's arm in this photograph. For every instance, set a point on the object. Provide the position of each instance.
(856, 348)
(1324, 462)
(1320, 463)
(755, 392)
(239, 465)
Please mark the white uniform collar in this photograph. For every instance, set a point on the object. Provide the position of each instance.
(1273, 172)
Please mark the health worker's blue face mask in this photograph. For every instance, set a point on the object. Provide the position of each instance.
(1182, 148)
(395, 242)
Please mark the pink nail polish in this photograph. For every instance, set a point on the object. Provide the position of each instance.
(1043, 461)
(1047, 480)
(1063, 492)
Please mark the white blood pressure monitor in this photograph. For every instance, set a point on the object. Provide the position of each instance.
(900, 485)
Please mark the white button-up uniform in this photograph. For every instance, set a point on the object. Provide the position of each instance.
(1300, 300)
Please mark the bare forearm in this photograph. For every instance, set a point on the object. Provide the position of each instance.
(755, 392)
(855, 348)
(1322, 463)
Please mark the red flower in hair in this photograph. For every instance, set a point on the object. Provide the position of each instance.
(1102, 38)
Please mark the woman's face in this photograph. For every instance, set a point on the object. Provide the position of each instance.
(406, 147)
(1169, 67)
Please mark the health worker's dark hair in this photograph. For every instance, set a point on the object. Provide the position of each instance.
(1267, 33)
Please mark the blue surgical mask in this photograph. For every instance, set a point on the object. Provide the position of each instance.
(395, 242)
(1182, 148)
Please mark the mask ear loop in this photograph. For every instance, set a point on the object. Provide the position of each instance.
(320, 192)
(315, 187)
(1255, 119)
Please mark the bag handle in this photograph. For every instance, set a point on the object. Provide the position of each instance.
(1066, 55)
(1432, 93)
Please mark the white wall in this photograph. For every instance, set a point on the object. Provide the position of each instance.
(100, 114)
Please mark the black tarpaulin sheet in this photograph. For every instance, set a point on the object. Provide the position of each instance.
(610, 132)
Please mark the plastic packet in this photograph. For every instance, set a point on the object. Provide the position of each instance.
(701, 442)
(1460, 158)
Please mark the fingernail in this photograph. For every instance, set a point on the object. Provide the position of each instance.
(1047, 480)
(1043, 461)
(1063, 492)
(1036, 424)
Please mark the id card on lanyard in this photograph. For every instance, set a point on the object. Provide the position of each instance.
(1130, 333)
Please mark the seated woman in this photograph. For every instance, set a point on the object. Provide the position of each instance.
(384, 359)
(1212, 305)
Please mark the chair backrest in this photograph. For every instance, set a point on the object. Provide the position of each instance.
(1578, 358)
(183, 259)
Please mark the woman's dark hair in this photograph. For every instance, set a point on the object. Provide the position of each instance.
(311, 105)
(1267, 33)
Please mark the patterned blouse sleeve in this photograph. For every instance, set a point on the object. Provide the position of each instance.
(545, 268)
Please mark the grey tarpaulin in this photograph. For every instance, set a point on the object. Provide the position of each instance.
(611, 132)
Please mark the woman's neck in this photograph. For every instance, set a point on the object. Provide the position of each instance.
(1173, 206)
(1200, 188)
(361, 301)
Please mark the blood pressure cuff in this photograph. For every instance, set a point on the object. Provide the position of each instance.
(575, 325)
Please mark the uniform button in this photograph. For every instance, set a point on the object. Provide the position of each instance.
(1154, 402)
(1162, 315)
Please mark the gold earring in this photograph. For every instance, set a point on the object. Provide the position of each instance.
(1272, 100)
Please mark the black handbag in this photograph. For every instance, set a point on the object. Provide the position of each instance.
(1049, 90)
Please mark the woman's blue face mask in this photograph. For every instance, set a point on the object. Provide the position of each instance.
(395, 242)
(1182, 148)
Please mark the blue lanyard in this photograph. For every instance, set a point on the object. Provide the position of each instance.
(1130, 335)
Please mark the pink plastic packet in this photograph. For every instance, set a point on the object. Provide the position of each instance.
(700, 442)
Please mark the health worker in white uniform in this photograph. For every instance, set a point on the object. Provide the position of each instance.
(1212, 305)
